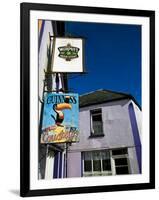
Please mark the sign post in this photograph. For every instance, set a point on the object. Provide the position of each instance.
(60, 116)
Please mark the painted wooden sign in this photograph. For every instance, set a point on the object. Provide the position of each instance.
(67, 54)
(60, 118)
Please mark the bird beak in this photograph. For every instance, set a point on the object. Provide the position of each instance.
(63, 106)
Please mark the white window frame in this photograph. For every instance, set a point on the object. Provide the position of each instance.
(113, 157)
(95, 173)
(112, 164)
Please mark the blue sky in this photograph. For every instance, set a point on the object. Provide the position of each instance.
(112, 58)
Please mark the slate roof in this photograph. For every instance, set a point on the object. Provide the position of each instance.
(102, 96)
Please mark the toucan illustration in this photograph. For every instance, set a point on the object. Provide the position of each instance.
(58, 109)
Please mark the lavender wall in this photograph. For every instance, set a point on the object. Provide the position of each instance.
(117, 131)
(74, 164)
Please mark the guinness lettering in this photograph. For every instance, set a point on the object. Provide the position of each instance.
(60, 99)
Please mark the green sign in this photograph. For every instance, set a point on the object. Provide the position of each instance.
(68, 52)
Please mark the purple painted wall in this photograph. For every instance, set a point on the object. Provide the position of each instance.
(117, 134)
(74, 164)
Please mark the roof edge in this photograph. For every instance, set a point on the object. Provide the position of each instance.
(118, 99)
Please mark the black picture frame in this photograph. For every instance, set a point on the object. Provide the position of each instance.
(25, 9)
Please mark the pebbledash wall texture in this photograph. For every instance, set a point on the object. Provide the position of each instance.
(120, 138)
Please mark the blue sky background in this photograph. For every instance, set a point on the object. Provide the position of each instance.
(112, 58)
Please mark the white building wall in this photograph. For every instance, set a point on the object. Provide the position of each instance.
(43, 59)
(49, 165)
(138, 114)
(134, 169)
(45, 41)
(46, 163)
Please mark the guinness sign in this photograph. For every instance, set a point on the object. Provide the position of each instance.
(60, 118)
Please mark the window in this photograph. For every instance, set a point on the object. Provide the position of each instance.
(96, 163)
(87, 162)
(121, 166)
(119, 151)
(120, 160)
(105, 162)
(96, 122)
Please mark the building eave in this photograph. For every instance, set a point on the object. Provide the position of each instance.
(128, 97)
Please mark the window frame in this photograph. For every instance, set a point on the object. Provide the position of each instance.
(92, 134)
(112, 163)
(92, 172)
(113, 157)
